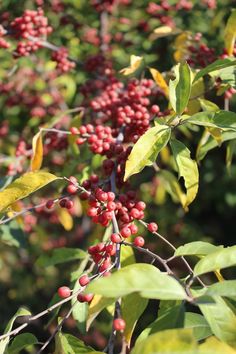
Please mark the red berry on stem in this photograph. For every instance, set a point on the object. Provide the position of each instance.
(50, 204)
(115, 238)
(119, 324)
(84, 280)
(64, 292)
(139, 241)
(152, 227)
(125, 232)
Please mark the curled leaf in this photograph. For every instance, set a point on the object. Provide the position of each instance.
(160, 81)
(135, 62)
(37, 146)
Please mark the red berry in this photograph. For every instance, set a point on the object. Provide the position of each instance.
(50, 204)
(62, 203)
(74, 130)
(139, 241)
(119, 324)
(125, 232)
(140, 206)
(71, 189)
(69, 204)
(152, 227)
(111, 206)
(115, 238)
(85, 297)
(133, 229)
(111, 250)
(64, 291)
(135, 213)
(84, 280)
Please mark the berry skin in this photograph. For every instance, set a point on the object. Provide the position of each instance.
(139, 241)
(115, 238)
(74, 130)
(119, 324)
(152, 227)
(64, 292)
(85, 297)
(69, 204)
(71, 189)
(84, 280)
(125, 232)
(50, 204)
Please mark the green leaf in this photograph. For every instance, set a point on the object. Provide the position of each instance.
(173, 341)
(60, 255)
(146, 149)
(98, 304)
(224, 120)
(172, 186)
(208, 105)
(198, 248)
(12, 234)
(213, 346)
(228, 76)
(224, 288)
(187, 169)
(199, 325)
(127, 256)
(180, 88)
(68, 344)
(22, 341)
(230, 33)
(132, 307)
(79, 311)
(171, 317)
(4, 343)
(207, 143)
(230, 152)
(221, 320)
(24, 186)
(221, 259)
(217, 65)
(142, 278)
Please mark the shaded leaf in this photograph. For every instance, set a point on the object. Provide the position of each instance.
(24, 186)
(180, 87)
(60, 255)
(199, 325)
(12, 234)
(187, 169)
(133, 278)
(132, 307)
(146, 149)
(173, 187)
(98, 304)
(22, 341)
(37, 147)
(208, 105)
(68, 344)
(221, 320)
(171, 317)
(220, 259)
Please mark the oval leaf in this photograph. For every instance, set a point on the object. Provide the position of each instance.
(24, 186)
(180, 88)
(221, 259)
(22, 341)
(160, 81)
(146, 149)
(197, 322)
(230, 32)
(217, 65)
(187, 169)
(37, 146)
(223, 288)
(224, 120)
(170, 341)
(198, 248)
(60, 255)
(133, 278)
(135, 62)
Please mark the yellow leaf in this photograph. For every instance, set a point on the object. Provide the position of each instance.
(160, 81)
(37, 146)
(181, 43)
(230, 33)
(163, 31)
(135, 62)
(24, 186)
(65, 219)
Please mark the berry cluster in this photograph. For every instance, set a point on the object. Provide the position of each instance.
(3, 43)
(104, 5)
(64, 64)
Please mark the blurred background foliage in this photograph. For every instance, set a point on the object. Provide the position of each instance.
(76, 26)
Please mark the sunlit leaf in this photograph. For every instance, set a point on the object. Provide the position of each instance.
(37, 147)
(133, 278)
(24, 186)
(180, 87)
(213, 346)
(217, 65)
(220, 259)
(230, 33)
(135, 62)
(146, 149)
(160, 81)
(187, 169)
(197, 248)
(65, 218)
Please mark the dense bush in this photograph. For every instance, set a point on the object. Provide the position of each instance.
(117, 127)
